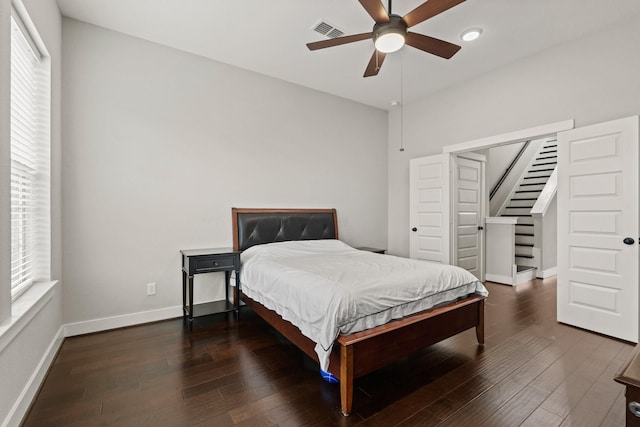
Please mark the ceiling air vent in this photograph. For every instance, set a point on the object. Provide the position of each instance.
(328, 30)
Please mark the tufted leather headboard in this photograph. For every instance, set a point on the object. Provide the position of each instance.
(257, 226)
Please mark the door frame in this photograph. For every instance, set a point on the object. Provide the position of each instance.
(510, 137)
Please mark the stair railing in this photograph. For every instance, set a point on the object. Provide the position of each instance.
(506, 173)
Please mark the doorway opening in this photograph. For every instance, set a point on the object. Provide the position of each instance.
(521, 211)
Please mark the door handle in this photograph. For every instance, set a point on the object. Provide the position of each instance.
(480, 227)
(414, 229)
(634, 407)
(628, 241)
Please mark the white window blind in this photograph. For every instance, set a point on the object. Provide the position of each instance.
(30, 155)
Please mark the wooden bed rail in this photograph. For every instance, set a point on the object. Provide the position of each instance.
(360, 353)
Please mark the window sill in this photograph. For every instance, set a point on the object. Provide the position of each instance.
(15, 294)
(25, 308)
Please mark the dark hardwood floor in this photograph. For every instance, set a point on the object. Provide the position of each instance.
(532, 371)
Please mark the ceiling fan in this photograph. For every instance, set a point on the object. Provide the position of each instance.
(390, 33)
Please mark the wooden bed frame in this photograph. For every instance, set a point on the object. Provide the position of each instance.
(359, 353)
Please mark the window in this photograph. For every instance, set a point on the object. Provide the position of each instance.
(30, 159)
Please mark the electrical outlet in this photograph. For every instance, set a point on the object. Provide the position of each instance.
(151, 288)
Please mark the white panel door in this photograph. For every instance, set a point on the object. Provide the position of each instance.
(430, 208)
(597, 213)
(468, 218)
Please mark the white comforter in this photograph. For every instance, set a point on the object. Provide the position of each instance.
(326, 287)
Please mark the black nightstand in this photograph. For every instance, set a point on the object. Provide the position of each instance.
(197, 261)
(374, 250)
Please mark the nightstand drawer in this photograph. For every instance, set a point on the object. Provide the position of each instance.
(213, 263)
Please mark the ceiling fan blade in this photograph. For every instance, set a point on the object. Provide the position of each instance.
(376, 10)
(427, 10)
(431, 45)
(375, 63)
(338, 41)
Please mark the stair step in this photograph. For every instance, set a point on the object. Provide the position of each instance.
(520, 204)
(524, 225)
(546, 157)
(541, 170)
(524, 221)
(533, 183)
(545, 164)
(550, 145)
(523, 249)
(523, 268)
(534, 177)
(516, 215)
(515, 204)
(525, 261)
(548, 152)
(523, 240)
(524, 256)
(525, 234)
(524, 231)
(529, 191)
(524, 198)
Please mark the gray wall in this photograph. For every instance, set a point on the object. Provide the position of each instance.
(591, 79)
(160, 144)
(498, 160)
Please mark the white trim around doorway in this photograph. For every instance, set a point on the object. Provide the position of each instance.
(511, 137)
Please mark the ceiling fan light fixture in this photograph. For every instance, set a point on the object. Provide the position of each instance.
(389, 36)
(391, 40)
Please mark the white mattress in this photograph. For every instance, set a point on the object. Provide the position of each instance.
(327, 288)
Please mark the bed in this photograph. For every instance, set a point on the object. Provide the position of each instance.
(373, 337)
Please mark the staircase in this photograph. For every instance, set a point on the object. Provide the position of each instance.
(523, 199)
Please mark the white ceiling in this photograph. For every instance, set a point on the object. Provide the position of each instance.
(269, 37)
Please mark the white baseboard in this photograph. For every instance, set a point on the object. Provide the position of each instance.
(20, 408)
(543, 274)
(525, 276)
(499, 278)
(106, 323)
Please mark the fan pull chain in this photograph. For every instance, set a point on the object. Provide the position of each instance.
(401, 100)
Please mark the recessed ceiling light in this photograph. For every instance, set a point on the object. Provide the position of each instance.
(471, 34)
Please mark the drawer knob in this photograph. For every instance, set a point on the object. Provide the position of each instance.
(634, 407)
